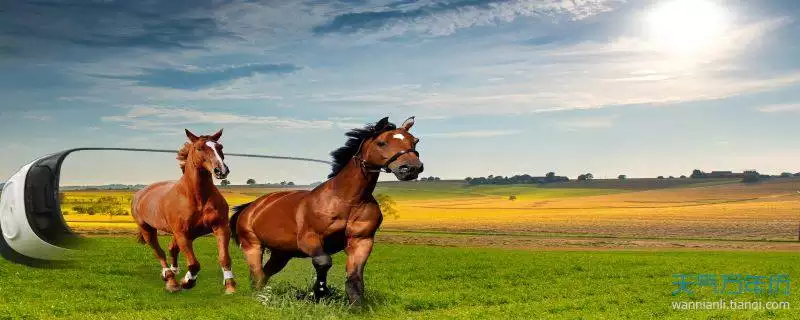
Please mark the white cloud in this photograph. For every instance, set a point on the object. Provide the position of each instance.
(159, 118)
(587, 123)
(787, 107)
(437, 23)
(471, 134)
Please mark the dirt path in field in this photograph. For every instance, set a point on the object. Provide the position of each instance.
(537, 242)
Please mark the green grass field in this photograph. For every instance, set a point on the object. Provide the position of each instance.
(118, 279)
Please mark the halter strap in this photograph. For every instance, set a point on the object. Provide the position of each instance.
(385, 167)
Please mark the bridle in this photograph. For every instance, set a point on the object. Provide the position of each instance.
(371, 168)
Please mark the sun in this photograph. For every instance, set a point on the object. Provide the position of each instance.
(687, 26)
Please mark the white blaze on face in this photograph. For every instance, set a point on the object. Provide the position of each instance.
(399, 136)
(213, 146)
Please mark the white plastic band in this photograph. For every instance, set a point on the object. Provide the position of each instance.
(226, 274)
(189, 276)
(164, 272)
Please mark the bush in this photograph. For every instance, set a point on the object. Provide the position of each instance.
(387, 205)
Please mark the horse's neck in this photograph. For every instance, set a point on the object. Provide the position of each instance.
(198, 182)
(353, 184)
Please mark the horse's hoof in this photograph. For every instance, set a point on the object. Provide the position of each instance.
(172, 286)
(188, 284)
(230, 286)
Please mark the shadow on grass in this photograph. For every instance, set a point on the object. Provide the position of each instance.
(292, 300)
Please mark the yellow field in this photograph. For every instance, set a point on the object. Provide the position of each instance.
(766, 211)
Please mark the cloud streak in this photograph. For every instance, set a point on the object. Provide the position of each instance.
(471, 134)
(779, 108)
(445, 18)
(204, 78)
(160, 118)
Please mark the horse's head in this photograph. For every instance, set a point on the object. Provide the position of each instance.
(394, 150)
(206, 152)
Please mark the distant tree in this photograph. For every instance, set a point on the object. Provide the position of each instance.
(283, 183)
(786, 175)
(550, 176)
(660, 177)
(290, 183)
(797, 174)
(225, 183)
(583, 177)
(622, 177)
(468, 180)
(387, 205)
(751, 176)
(438, 179)
(512, 197)
(251, 181)
(490, 177)
(671, 177)
(683, 176)
(697, 174)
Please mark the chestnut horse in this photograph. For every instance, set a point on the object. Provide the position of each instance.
(187, 209)
(340, 214)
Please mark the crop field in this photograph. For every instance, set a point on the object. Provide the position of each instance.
(614, 214)
(588, 250)
(119, 279)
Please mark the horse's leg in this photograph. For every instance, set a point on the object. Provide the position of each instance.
(358, 250)
(174, 250)
(322, 263)
(311, 244)
(277, 261)
(150, 236)
(185, 244)
(254, 254)
(223, 235)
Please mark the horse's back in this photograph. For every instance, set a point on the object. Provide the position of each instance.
(145, 204)
(272, 219)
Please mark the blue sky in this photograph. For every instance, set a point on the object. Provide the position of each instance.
(498, 87)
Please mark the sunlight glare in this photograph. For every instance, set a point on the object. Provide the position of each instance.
(687, 27)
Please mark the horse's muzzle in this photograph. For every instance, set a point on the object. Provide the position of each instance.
(222, 173)
(408, 172)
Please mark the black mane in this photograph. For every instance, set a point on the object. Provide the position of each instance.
(355, 137)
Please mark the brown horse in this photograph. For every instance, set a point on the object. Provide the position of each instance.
(189, 208)
(340, 214)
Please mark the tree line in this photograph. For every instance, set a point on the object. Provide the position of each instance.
(517, 179)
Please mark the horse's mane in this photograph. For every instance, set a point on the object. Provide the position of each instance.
(355, 137)
(183, 155)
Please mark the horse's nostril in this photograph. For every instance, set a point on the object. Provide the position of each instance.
(403, 168)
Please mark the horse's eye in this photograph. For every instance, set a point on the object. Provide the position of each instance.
(381, 143)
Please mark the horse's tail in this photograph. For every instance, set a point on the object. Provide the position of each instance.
(139, 235)
(237, 210)
(140, 238)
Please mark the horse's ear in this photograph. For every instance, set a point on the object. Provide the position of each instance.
(382, 124)
(217, 135)
(191, 136)
(408, 123)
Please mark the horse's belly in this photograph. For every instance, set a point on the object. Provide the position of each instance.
(334, 242)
